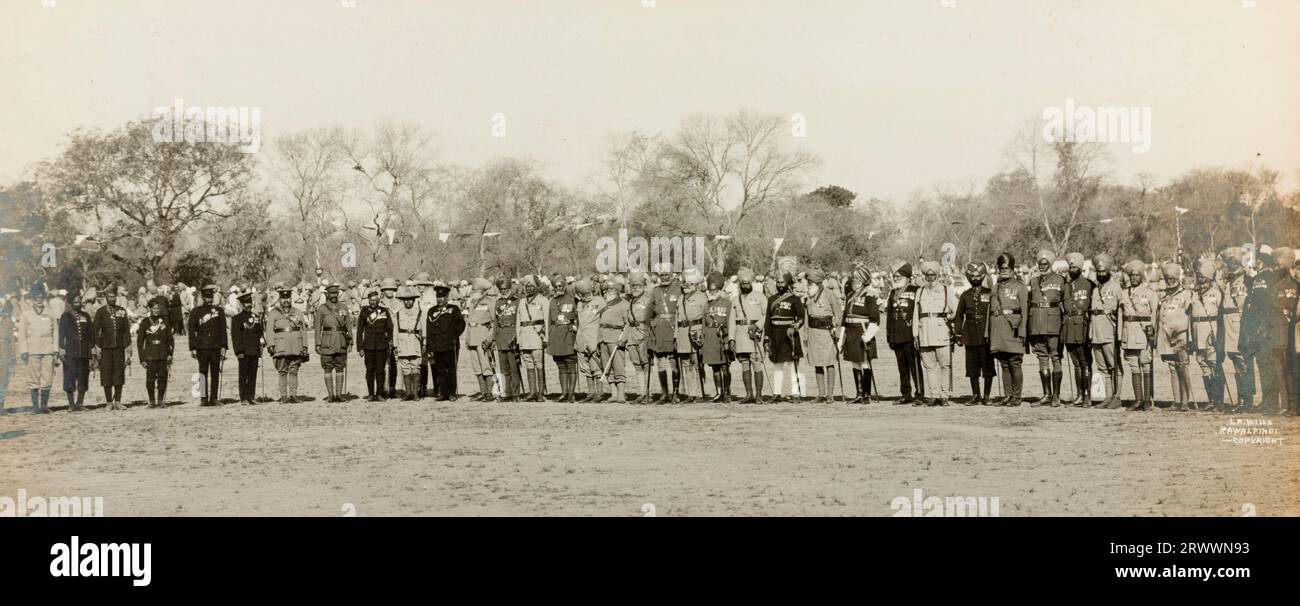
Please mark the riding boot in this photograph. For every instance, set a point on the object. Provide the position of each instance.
(867, 376)
(1045, 377)
(725, 388)
(758, 386)
(717, 386)
(662, 396)
(293, 388)
(1085, 390)
(747, 377)
(72, 401)
(1056, 387)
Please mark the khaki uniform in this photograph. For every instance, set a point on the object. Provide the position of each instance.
(530, 330)
(823, 311)
(1103, 331)
(934, 309)
(408, 338)
(38, 337)
(478, 328)
(286, 338)
(613, 321)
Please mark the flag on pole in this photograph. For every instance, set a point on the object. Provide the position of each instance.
(491, 234)
(721, 237)
(10, 230)
(79, 239)
(814, 243)
(1105, 220)
(443, 235)
(391, 232)
(776, 243)
(582, 225)
(1180, 210)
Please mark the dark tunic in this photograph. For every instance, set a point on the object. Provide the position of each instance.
(246, 334)
(784, 311)
(716, 318)
(112, 328)
(1077, 301)
(860, 305)
(564, 326)
(503, 318)
(898, 314)
(375, 328)
(972, 316)
(207, 328)
(1045, 294)
(1009, 313)
(155, 339)
(661, 316)
(76, 334)
(443, 325)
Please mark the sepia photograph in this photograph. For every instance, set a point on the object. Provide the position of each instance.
(649, 258)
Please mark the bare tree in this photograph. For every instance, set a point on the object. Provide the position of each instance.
(308, 165)
(396, 177)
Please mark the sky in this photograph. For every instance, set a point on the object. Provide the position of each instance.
(896, 95)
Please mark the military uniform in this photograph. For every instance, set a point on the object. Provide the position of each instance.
(971, 323)
(861, 323)
(286, 340)
(1269, 319)
(443, 326)
(822, 312)
(1172, 331)
(375, 344)
(408, 342)
(1076, 303)
(1204, 339)
(1008, 328)
(155, 342)
(562, 342)
(1139, 306)
(478, 323)
(637, 349)
(613, 321)
(935, 306)
(690, 330)
(332, 325)
(246, 330)
(504, 337)
(785, 314)
(745, 333)
(898, 333)
(715, 350)
(661, 319)
(1103, 334)
(388, 299)
(207, 330)
(1234, 299)
(77, 344)
(1045, 304)
(581, 326)
(530, 334)
(113, 338)
(38, 341)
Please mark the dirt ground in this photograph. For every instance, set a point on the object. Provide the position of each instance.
(470, 458)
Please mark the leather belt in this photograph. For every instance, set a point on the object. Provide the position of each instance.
(1231, 311)
(1204, 318)
(1009, 312)
(822, 323)
(931, 314)
(533, 323)
(783, 322)
(474, 324)
(408, 332)
(329, 329)
(1075, 314)
(1044, 304)
(1138, 318)
(742, 321)
(612, 326)
(863, 321)
(1100, 312)
(287, 330)
(690, 323)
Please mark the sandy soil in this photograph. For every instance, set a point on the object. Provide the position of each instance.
(469, 458)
